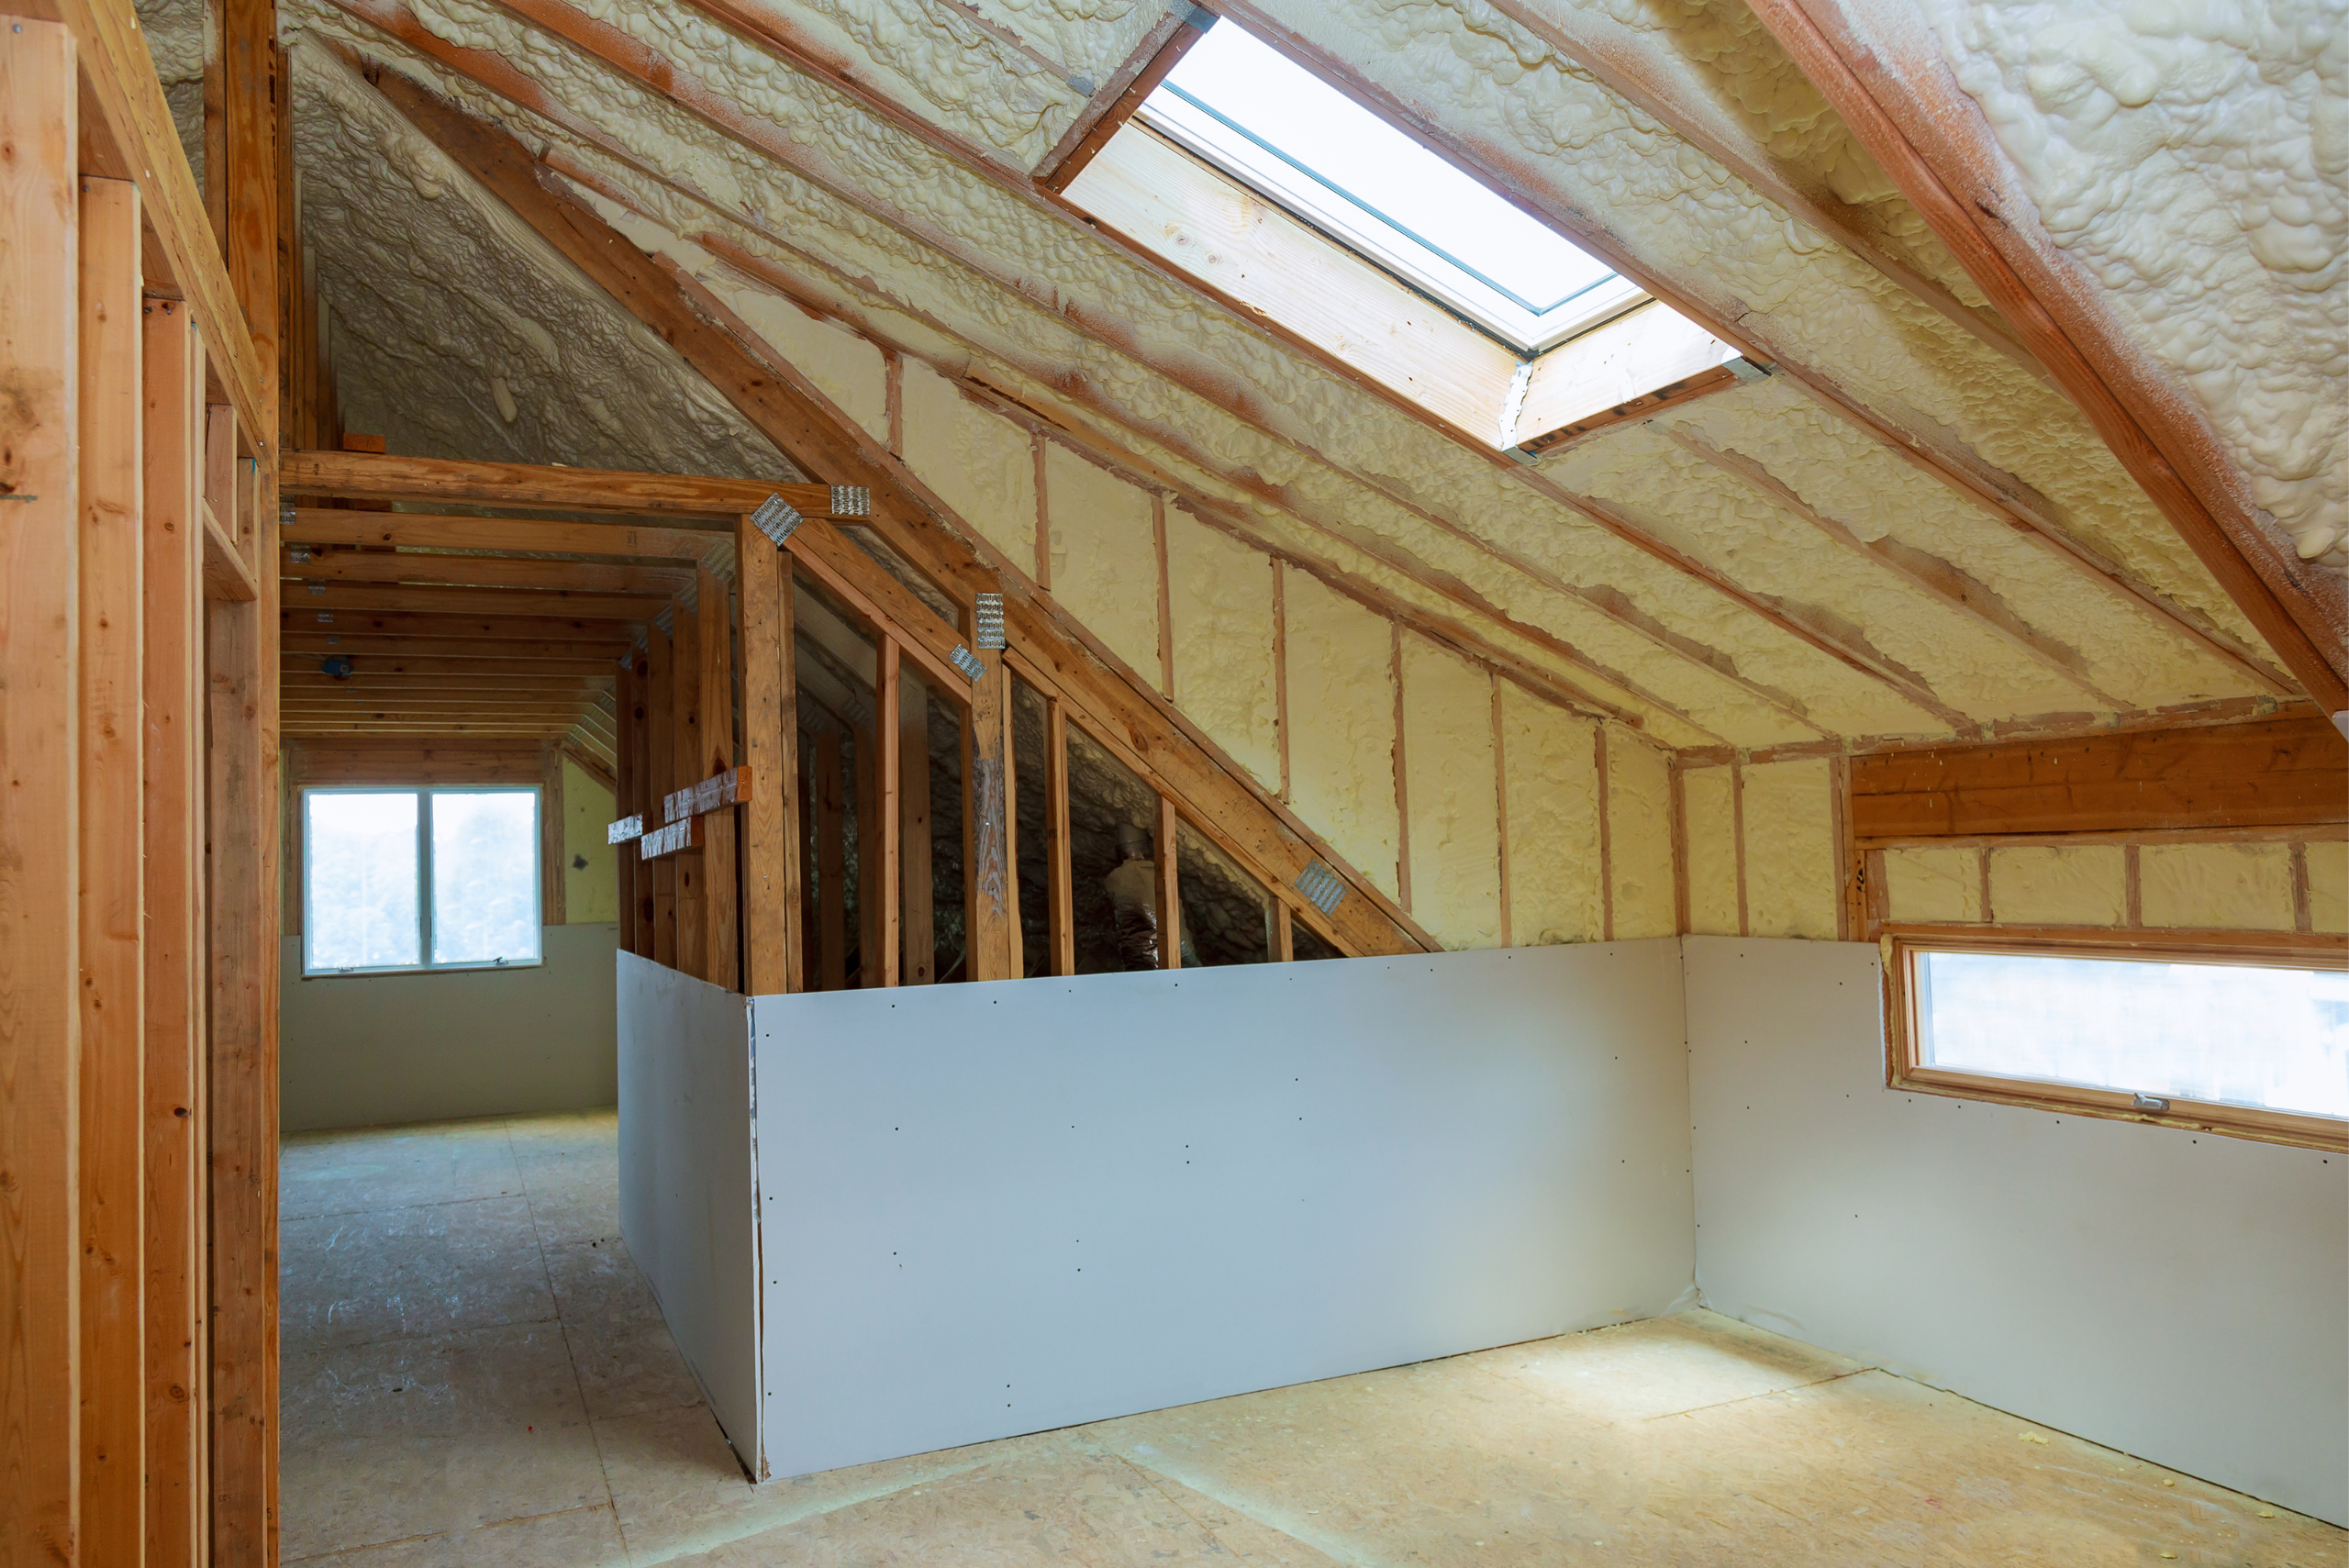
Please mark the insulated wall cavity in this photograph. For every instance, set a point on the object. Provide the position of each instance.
(1639, 834)
(1790, 873)
(1104, 556)
(1220, 595)
(1342, 726)
(979, 463)
(1451, 794)
(1553, 783)
(1708, 802)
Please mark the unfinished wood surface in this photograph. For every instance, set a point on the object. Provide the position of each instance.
(2280, 771)
(424, 599)
(406, 763)
(989, 905)
(866, 764)
(1116, 100)
(112, 907)
(672, 539)
(171, 396)
(225, 574)
(551, 856)
(369, 476)
(40, 1027)
(449, 656)
(888, 818)
(1889, 82)
(661, 776)
(920, 944)
(1643, 360)
(687, 749)
(1060, 908)
(482, 572)
(721, 882)
(525, 623)
(1242, 819)
(771, 899)
(1165, 845)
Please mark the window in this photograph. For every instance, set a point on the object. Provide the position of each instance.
(419, 879)
(2255, 1043)
(1278, 127)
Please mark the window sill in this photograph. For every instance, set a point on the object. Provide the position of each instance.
(415, 969)
(2188, 1115)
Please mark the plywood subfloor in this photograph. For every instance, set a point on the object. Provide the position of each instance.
(474, 1374)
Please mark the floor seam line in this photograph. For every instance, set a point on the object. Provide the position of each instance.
(1767, 1393)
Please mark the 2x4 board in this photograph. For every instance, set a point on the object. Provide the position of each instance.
(886, 1222)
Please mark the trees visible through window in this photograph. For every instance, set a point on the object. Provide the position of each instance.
(419, 879)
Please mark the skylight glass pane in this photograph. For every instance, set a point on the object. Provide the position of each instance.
(359, 904)
(2226, 1034)
(485, 876)
(1242, 105)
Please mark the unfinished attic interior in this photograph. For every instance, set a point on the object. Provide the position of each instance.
(1499, 782)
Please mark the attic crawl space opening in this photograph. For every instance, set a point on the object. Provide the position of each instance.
(1264, 181)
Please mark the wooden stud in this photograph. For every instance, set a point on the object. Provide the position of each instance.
(888, 823)
(2303, 916)
(1879, 896)
(1402, 788)
(868, 858)
(1280, 667)
(722, 949)
(2133, 890)
(1043, 517)
(685, 767)
(1737, 824)
(40, 1033)
(832, 864)
(1606, 844)
(1839, 837)
(660, 777)
(1060, 908)
(1981, 871)
(551, 861)
(1283, 934)
(1165, 598)
(112, 908)
(1170, 889)
(172, 783)
(1682, 921)
(1500, 804)
(894, 397)
(770, 895)
(1014, 924)
(988, 869)
(920, 933)
(627, 801)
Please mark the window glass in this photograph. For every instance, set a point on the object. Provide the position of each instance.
(2276, 1039)
(485, 876)
(359, 888)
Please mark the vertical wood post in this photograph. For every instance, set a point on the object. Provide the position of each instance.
(722, 938)
(913, 829)
(685, 767)
(113, 902)
(1280, 933)
(1170, 903)
(173, 395)
(888, 880)
(832, 864)
(1060, 909)
(660, 742)
(550, 857)
(40, 1028)
(770, 894)
(868, 858)
(987, 868)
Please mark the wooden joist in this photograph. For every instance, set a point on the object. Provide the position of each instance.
(672, 539)
(2292, 772)
(312, 643)
(482, 572)
(371, 476)
(424, 600)
(528, 624)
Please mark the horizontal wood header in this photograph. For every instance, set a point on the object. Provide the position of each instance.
(2278, 773)
(370, 476)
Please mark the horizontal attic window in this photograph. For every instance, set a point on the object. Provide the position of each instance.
(1285, 132)
(1277, 191)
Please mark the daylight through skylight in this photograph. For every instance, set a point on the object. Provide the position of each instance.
(1243, 107)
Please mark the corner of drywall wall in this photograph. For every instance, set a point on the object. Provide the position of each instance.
(1451, 794)
(1548, 758)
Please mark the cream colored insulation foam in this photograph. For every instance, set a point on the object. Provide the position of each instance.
(2216, 887)
(1105, 557)
(175, 31)
(441, 293)
(1790, 878)
(2190, 159)
(1933, 885)
(2072, 884)
(1709, 796)
(1220, 597)
(1342, 726)
(979, 463)
(1638, 838)
(2329, 886)
(1552, 780)
(1453, 796)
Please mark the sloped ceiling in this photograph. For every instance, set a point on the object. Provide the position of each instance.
(1766, 567)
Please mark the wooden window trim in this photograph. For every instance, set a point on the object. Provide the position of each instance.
(1901, 944)
(299, 873)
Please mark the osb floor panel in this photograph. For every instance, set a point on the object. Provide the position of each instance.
(475, 1375)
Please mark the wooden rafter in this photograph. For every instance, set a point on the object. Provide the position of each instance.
(622, 537)
(482, 572)
(423, 599)
(376, 476)
(1887, 79)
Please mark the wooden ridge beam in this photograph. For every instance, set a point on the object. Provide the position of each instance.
(376, 476)
(673, 540)
(1246, 822)
(482, 572)
(1884, 77)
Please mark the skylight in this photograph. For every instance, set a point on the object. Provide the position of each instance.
(1276, 127)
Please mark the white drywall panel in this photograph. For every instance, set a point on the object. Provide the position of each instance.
(1000, 1208)
(379, 1050)
(2177, 1295)
(688, 1204)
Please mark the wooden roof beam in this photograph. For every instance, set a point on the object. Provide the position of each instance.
(1887, 78)
(667, 538)
(479, 571)
(498, 625)
(419, 599)
(374, 477)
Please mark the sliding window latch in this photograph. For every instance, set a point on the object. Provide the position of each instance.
(2150, 1103)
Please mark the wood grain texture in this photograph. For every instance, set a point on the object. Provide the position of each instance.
(1060, 913)
(374, 477)
(770, 894)
(687, 748)
(2281, 772)
(721, 879)
(989, 904)
(41, 1017)
(1166, 858)
(482, 572)
(671, 538)
(888, 845)
(660, 777)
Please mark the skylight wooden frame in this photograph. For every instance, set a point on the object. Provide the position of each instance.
(1903, 1072)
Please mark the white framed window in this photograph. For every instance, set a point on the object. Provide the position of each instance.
(403, 879)
(2253, 1042)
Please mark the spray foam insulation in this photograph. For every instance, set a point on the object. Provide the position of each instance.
(1933, 885)
(1552, 782)
(2072, 884)
(1220, 598)
(1451, 789)
(1790, 878)
(2329, 886)
(978, 464)
(2216, 887)
(1342, 726)
(1105, 557)
(2188, 159)
(1709, 796)
(1639, 837)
